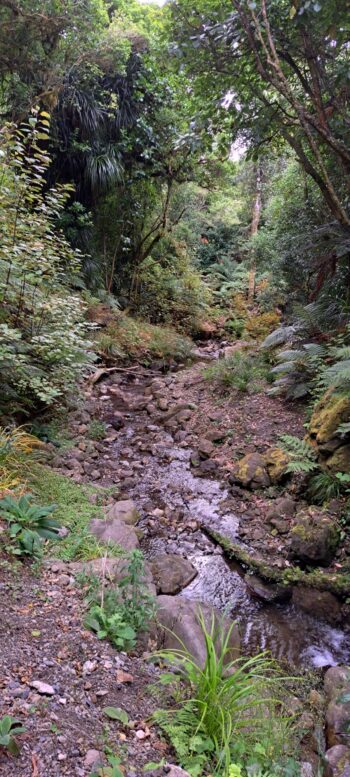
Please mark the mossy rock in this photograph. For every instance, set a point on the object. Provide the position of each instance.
(276, 461)
(314, 537)
(251, 471)
(340, 461)
(331, 411)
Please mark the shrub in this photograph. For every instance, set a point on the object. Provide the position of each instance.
(129, 338)
(14, 443)
(42, 334)
(258, 326)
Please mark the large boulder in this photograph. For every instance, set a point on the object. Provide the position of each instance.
(114, 531)
(172, 573)
(314, 537)
(321, 604)
(331, 411)
(338, 761)
(340, 460)
(251, 471)
(276, 462)
(180, 627)
(124, 510)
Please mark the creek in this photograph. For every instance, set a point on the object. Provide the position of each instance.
(176, 506)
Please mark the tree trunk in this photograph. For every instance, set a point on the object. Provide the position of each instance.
(254, 229)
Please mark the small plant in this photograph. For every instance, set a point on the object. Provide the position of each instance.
(303, 458)
(112, 626)
(28, 524)
(9, 727)
(227, 714)
(121, 612)
(97, 430)
(325, 486)
(113, 770)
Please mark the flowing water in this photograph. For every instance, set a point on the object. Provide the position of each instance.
(165, 480)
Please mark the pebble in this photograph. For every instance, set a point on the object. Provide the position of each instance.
(43, 688)
(89, 667)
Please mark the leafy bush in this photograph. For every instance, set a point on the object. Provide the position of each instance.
(122, 611)
(42, 334)
(28, 525)
(258, 326)
(242, 371)
(9, 727)
(228, 713)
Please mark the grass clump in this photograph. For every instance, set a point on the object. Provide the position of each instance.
(232, 714)
(241, 371)
(74, 510)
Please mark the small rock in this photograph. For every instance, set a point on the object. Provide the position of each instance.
(89, 667)
(314, 537)
(175, 771)
(171, 573)
(43, 688)
(116, 531)
(338, 761)
(93, 758)
(124, 677)
(205, 448)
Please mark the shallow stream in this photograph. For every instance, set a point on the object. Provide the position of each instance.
(165, 481)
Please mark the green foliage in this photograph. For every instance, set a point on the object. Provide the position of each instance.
(73, 510)
(9, 727)
(228, 713)
(130, 338)
(240, 371)
(303, 458)
(42, 335)
(120, 612)
(28, 525)
(325, 486)
(96, 430)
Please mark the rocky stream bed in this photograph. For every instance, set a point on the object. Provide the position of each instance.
(171, 446)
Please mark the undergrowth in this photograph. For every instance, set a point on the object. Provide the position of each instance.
(74, 510)
(128, 338)
(241, 371)
(231, 712)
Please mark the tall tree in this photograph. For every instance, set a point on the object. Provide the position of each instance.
(278, 73)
